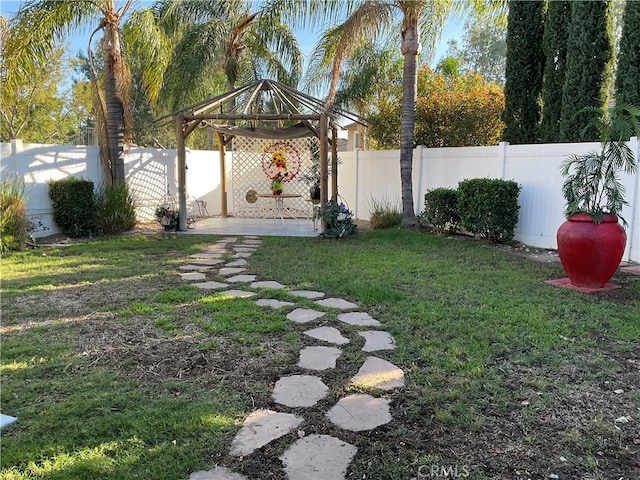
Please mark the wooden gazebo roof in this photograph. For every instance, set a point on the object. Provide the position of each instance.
(263, 109)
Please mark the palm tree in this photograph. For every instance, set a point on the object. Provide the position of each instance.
(40, 24)
(366, 82)
(421, 22)
(212, 37)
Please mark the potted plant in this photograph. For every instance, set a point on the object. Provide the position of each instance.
(591, 242)
(167, 217)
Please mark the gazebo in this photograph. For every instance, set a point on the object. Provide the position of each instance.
(262, 117)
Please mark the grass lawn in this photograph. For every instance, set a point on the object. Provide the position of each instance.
(118, 370)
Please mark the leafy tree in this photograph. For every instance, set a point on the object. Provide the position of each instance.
(484, 48)
(628, 71)
(34, 111)
(450, 112)
(556, 29)
(524, 66)
(589, 57)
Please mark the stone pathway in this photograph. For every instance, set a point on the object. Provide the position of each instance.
(309, 457)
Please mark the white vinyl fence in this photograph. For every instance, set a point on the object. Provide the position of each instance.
(363, 177)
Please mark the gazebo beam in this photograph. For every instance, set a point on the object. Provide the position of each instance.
(254, 116)
(223, 175)
(334, 163)
(324, 170)
(181, 135)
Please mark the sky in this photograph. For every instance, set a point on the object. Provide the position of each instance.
(307, 38)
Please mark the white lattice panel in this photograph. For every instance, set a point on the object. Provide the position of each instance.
(253, 170)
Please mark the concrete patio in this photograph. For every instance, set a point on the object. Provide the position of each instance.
(288, 227)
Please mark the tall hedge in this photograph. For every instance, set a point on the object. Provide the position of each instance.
(73, 205)
(450, 112)
(554, 42)
(589, 62)
(524, 68)
(628, 74)
(489, 207)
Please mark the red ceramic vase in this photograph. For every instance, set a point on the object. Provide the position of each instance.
(590, 252)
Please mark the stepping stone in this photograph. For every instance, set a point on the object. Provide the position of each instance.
(252, 241)
(270, 302)
(311, 294)
(241, 278)
(299, 391)
(244, 249)
(336, 303)
(198, 268)
(261, 427)
(304, 315)
(241, 262)
(218, 473)
(242, 255)
(210, 285)
(318, 457)
(376, 340)
(192, 276)
(205, 255)
(231, 270)
(380, 374)
(327, 334)
(358, 412)
(361, 319)
(237, 293)
(319, 358)
(228, 240)
(217, 249)
(210, 262)
(267, 284)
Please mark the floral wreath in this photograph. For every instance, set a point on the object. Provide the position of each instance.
(281, 161)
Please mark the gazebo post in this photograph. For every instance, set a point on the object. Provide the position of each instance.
(324, 170)
(334, 163)
(223, 176)
(182, 172)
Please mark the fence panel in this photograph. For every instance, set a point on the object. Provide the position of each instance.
(363, 176)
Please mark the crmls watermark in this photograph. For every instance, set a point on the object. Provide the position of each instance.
(444, 471)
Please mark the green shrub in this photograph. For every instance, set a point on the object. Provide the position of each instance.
(73, 205)
(441, 210)
(489, 207)
(115, 209)
(13, 213)
(384, 214)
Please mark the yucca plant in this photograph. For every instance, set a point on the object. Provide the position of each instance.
(13, 213)
(592, 185)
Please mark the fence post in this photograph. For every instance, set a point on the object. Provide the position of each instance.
(357, 177)
(418, 190)
(502, 152)
(634, 224)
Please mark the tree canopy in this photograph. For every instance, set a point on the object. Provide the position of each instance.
(524, 67)
(451, 111)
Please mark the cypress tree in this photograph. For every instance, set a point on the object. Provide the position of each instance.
(589, 60)
(628, 76)
(554, 42)
(524, 66)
